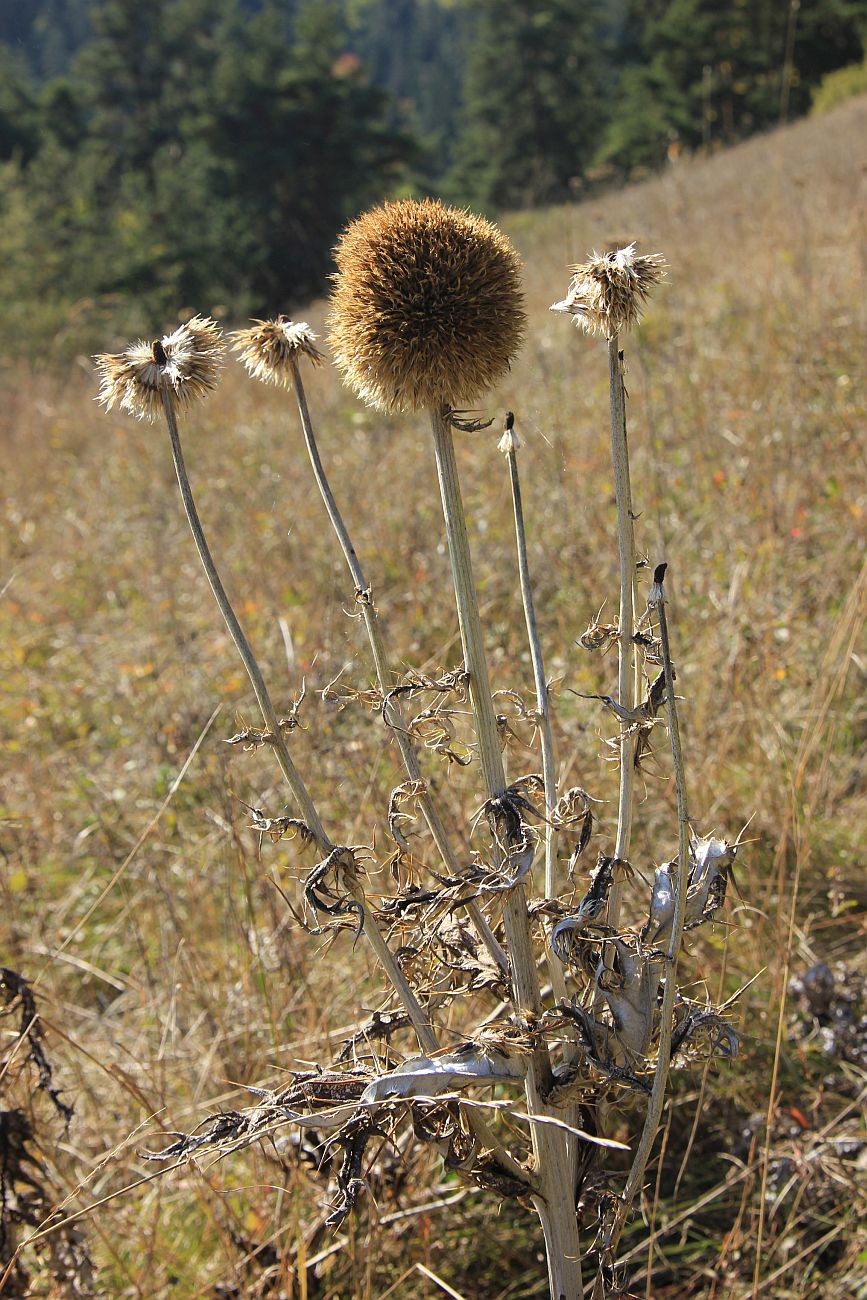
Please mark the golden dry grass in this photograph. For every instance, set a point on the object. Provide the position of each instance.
(167, 968)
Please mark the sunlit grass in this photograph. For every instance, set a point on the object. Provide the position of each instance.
(188, 978)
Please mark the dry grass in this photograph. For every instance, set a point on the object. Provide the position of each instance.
(167, 969)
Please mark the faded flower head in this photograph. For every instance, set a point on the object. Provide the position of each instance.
(607, 293)
(427, 308)
(185, 364)
(269, 348)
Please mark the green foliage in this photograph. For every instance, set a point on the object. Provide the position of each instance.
(837, 87)
(205, 153)
(194, 157)
(701, 71)
(19, 128)
(534, 100)
(416, 50)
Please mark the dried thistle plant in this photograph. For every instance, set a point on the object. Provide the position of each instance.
(607, 291)
(273, 350)
(427, 307)
(184, 364)
(427, 313)
(511, 1083)
(268, 348)
(606, 296)
(333, 886)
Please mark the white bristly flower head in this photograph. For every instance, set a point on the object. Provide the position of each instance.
(185, 364)
(269, 348)
(607, 292)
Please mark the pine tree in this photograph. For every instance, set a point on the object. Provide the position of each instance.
(200, 156)
(702, 71)
(534, 95)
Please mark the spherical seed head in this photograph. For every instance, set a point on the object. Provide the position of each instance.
(607, 292)
(427, 308)
(185, 364)
(269, 348)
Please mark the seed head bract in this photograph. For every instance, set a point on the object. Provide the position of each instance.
(607, 292)
(185, 363)
(427, 308)
(269, 347)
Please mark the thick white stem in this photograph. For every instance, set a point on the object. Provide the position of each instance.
(556, 1201)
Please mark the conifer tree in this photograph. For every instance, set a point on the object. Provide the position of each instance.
(706, 71)
(534, 99)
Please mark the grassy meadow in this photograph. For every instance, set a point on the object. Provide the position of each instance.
(168, 969)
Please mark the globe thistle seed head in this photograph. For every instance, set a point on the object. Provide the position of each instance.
(269, 348)
(185, 363)
(607, 293)
(427, 308)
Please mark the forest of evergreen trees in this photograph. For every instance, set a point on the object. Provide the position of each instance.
(206, 152)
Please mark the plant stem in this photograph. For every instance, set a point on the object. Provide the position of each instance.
(549, 773)
(657, 1098)
(302, 797)
(378, 650)
(626, 655)
(420, 1021)
(242, 645)
(555, 1204)
(556, 970)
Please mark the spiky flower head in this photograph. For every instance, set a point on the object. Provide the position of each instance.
(607, 293)
(269, 348)
(427, 308)
(185, 364)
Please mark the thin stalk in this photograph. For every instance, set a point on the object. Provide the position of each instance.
(379, 653)
(626, 654)
(242, 645)
(660, 1079)
(302, 797)
(509, 445)
(555, 1203)
(420, 1023)
(627, 659)
(556, 970)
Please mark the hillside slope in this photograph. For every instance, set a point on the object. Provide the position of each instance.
(168, 973)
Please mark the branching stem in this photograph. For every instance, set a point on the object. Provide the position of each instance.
(660, 1080)
(299, 791)
(383, 674)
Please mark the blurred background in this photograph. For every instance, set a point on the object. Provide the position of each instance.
(205, 153)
